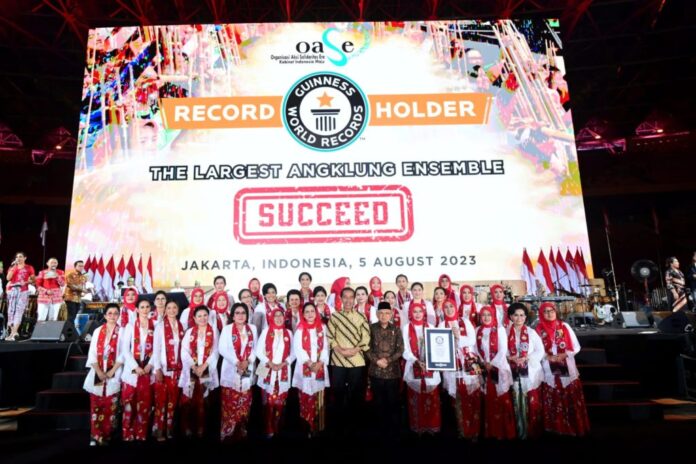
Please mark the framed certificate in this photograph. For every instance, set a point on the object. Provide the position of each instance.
(439, 350)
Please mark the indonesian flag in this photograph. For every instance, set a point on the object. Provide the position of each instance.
(544, 271)
(88, 268)
(554, 270)
(130, 269)
(98, 275)
(147, 278)
(108, 279)
(121, 270)
(528, 274)
(562, 269)
(572, 272)
(582, 270)
(139, 274)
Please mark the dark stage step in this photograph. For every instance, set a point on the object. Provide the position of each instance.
(38, 421)
(622, 411)
(591, 356)
(76, 363)
(62, 400)
(69, 380)
(601, 372)
(596, 390)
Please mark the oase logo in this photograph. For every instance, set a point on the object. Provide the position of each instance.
(339, 50)
(325, 111)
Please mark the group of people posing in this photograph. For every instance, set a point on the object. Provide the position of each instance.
(154, 365)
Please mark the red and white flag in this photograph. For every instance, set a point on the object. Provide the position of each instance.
(572, 272)
(98, 275)
(108, 279)
(121, 271)
(139, 275)
(44, 229)
(528, 274)
(88, 268)
(130, 269)
(544, 271)
(147, 278)
(562, 269)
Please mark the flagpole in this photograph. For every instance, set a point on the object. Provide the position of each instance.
(613, 272)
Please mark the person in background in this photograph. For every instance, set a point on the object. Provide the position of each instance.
(130, 283)
(417, 297)
(245, 297)
(676, 284)
(263, 313)
(50, 294)
(19, 276)
(467, 308)
(403, 294)
(390, 297)
(219, 284)
(376, 294)
(306, 292)
(255, 287)
(103, 381)
(337, 287)
(158, 314)
(293, 312)
(386, 350)
(324, 311)
(75, 287)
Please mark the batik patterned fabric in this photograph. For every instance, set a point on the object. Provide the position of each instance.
(235, 412)
(564, 409)
(166, 403)
(467, 409)
(137, 409)
(312, 410)
(103, 417)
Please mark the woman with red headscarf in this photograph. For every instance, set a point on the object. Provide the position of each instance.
(491, 345)
(439, 297)
(138, 374)
(563, 399)
(254, 287)
(464, 384)
(499, 306)
(221, 308)
(375, 291)
(445, 282)
(238, 350)
(187, 315)
(128, 311)
(525, 352)
(199, 375)
(311, 372)
(423, 392)
(467, 307)
(335, 295)
(275, 354)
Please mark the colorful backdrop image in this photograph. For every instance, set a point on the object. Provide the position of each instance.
(354, 149)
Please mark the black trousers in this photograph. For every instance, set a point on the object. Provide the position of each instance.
(73, 308)
(385, 396)
(348, 384)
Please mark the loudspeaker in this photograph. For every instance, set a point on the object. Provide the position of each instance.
(54, 331)
(634, 319)
(677, 323)
(581, 319)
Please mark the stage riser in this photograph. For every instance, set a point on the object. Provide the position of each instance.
(591, 356)
(36, 421)
(51, 400)
(612, 392)
(77, 363)
(602, 372)
(624, 412)
(69, 380)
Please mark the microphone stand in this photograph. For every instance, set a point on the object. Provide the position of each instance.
(613, 273)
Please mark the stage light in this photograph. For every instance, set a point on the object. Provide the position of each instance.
(597, 137)
(58, 147)
(659, 131)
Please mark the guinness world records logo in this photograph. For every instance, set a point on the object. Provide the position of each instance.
(325, 111)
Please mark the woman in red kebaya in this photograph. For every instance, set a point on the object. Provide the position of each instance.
(138, 374)
(275, 354)
(306, 293)
(390, 297)
(19, 276)
(103, 381)
(417, 293)
(445, 282)
(464, 384)
(197, 299)
(169, 337)
(221, 307)
(363, 307)
(128, 310)
(499, 306)
(263, 313)
(238, 350)
(564, 402)
(467, 308)
(199, 376)
(423, 392)
(439, 297)
(375, 291)
(255, 289)
(324, 311)
(491, 345)
(311, 370)
(525, 352)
